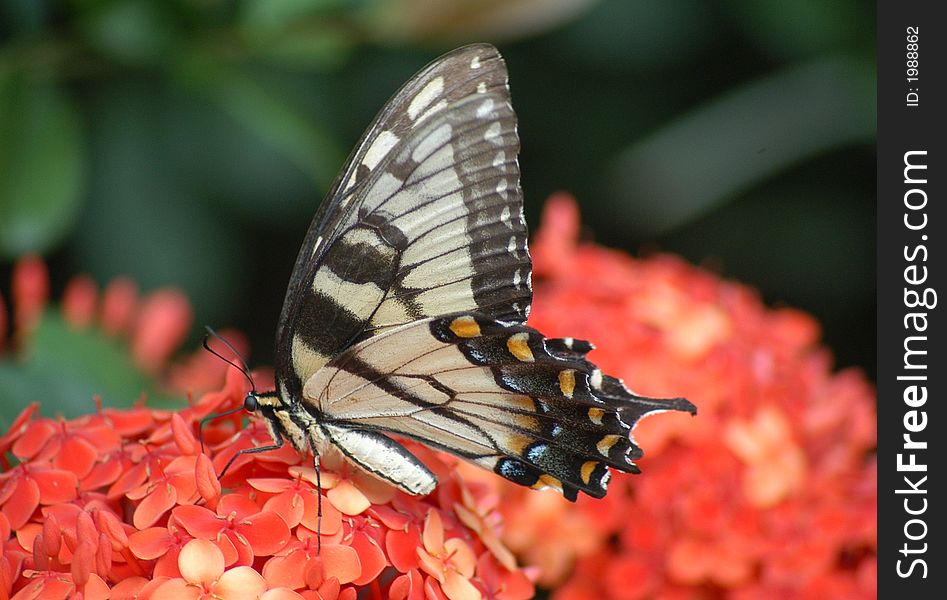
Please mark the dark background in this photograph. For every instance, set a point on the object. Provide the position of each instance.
(188, 142)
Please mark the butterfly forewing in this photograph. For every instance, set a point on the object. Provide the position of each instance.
(425, 219)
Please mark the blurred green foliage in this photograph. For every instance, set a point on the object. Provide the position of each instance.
(189, 142)
(65, 369)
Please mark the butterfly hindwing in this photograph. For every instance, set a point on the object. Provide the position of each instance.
(425, 219)
(498, 394)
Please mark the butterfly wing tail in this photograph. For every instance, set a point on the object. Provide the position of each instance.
(581, 418)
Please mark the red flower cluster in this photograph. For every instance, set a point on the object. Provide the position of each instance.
(124, 504)
(770, 492)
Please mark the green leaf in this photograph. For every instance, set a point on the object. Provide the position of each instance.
(130, 31)
(315, 47)
(644, 34)
(804, 28)
(41, 165)
(719, 150)
(277, 14)
(24, 16)
(65, 369)
(142, 219)
(261, 110)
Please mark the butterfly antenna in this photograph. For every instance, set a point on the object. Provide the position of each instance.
(242, 367)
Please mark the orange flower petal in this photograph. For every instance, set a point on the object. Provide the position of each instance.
(433, 590)
(36, 434)
(348, 498)
(409, 586)
(150, 543)
(240, 583)
(83, 561)
(103, 555)
(314, 574)
(341, 562)
(433, 535)
(270, 485)
(109, 524)
(330, 588)
(331, 517)
(164, 321)
(634, 577)
(128, 481)
(20, 423)
(288, 505)
(461, 556)
(77, 456)
(118, 305)
(46, 588)
(4, 527)
(327, 479)
(56, 486)
(370, 556)
(128, 589)
(401, 547)
(208, 486)
(280, 593)
(348, 593)
(167, 564)
(458, 587)
(176, 589)
(240, 505)
(689, 561)
(154, 505)
(85, 528)
(52, 536)
(23, 501)
(201, 562)
(199, 521)
(286, 571)
(431, 565)
(129, 423)
(266, 533)
(391, 518)
(101, 475)
(183, 436)
(78, 301)
(29, 292)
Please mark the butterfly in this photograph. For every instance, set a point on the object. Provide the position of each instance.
(405, 312)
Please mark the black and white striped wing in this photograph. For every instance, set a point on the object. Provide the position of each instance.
(501, 395)
(425, 219)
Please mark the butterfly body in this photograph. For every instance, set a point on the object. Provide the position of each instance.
(405, 313)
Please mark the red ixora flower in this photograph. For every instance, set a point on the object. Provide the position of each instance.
(123, 503)
(770, 493)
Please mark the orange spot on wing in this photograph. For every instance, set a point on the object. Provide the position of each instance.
(465, 327)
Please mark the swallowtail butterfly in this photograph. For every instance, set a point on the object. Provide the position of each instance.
(405, 311)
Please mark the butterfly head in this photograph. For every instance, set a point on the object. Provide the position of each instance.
(252, 402)
(262, 402)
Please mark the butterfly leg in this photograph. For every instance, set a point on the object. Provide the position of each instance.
(278, 443)
(318, 506)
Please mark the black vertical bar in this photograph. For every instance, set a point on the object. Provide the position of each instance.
(912, 369)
